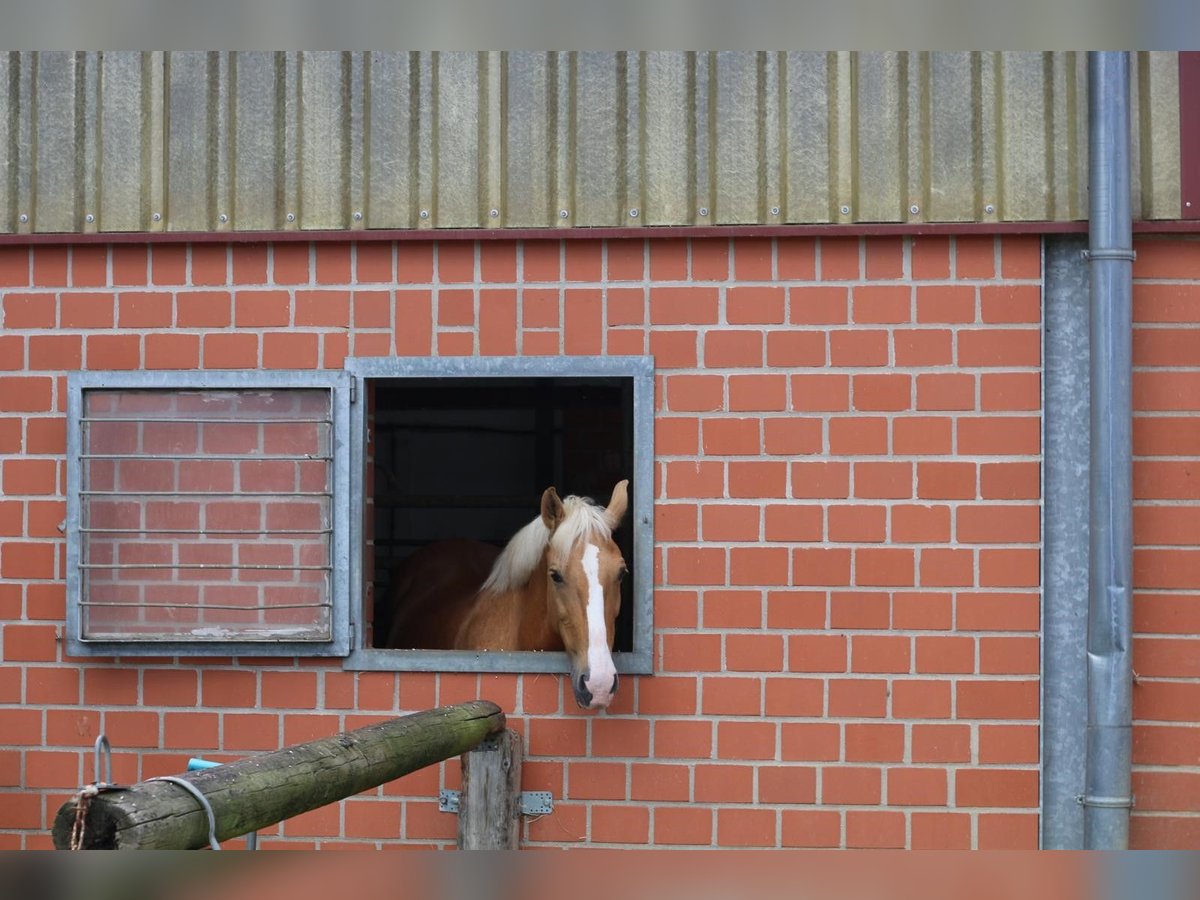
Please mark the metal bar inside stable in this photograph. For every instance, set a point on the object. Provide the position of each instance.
(203, 606)
(231, 567)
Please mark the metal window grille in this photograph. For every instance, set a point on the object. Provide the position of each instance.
(208, 513)
(636, 372)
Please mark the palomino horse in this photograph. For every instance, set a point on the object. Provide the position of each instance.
(556, 586)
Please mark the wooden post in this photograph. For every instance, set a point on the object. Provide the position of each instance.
(489, 811)
(255, 793)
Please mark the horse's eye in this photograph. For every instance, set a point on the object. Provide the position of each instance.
(556, 576)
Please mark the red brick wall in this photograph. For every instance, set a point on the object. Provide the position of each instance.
(847, 531)
(1166, 532)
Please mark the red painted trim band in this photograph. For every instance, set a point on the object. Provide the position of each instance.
(1189, 134)
(722, 232)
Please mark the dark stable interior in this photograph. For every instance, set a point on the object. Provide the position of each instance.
(470, 458)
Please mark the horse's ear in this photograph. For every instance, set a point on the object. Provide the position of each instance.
(618, 504)
(552, 508)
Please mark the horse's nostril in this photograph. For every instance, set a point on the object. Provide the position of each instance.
(583, 684)
(616, 681)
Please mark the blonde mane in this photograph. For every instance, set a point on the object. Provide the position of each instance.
(516, 563)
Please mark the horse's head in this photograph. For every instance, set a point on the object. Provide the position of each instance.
(584, 572)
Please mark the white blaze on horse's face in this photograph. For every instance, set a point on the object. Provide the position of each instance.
(601, 680)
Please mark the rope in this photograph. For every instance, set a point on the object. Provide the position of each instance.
(208, 810)
(82, 802)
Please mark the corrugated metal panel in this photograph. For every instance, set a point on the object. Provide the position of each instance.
(214, 141)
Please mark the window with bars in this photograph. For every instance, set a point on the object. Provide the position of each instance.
(208, 513)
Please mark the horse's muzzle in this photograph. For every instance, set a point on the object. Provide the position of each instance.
(586, 699)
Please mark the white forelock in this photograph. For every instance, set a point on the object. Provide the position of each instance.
(516, 563)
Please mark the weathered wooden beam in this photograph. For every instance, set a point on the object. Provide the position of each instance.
(259, 791)
(489, 813)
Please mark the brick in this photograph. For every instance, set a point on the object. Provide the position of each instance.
(941, 743)
(710, 259)
(753, 259)
(619, 825)
(754, 652)
(879, 653)
(323, 308)
(858, 348)
(922, 436)
(50, 265)
(746, 740)
(920, 524)
(875, 829)
(876, 304)
(231, 351)
(691, 652)
(1010, 304)
(792, 436)
(884, 567)
(793, 697)
(945, 304)
(996, 787)
(202, 309)
(669, 259)
(676, 435)
(113, 351)
(856, 523)
(724, 783)
(884, 257)
(14, 266)
(290, 350)
(944, 654)
(682, 739)
(851, 785)
(172, 351)
(733, 349)
(946, 480)
(1013, 568)
(810, 828)
(874, 742)
(190, 731)
(858, 436)
(920, 347)
(695, 393)
(997, 699)
(818, 305)
(745, 827)
(1000, 347)
(732, 437)
(791, 522)
(940, 831)
(821, 566)
(27, 311)
(787, 349)
(1008, 744)
(997, 612)
(975, 256)
(883, 480)
(757, 478)
(25, 559)
(689, 825)
(921, 699)
(730, 523)
(683, 306)
(861, 698)
(946, 391)
(86, 309)
(47, 685)
(820, 393)
(666, 695)
(764, 393)
(698, 479)
(583, 313)
(755, 305)
(890, 393)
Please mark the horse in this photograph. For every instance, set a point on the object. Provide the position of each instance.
(555, 586)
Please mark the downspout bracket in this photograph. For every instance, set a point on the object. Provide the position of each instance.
(1105, 802)
(1109, 253)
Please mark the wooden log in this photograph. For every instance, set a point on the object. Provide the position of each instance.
(489, 810)
(259, 791)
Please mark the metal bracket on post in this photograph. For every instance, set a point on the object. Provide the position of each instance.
(533, 803)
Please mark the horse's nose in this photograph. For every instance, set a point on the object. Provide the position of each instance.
(582, 695)
(616, 681)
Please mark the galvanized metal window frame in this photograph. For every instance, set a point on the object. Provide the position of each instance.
(638, 661)
(340, 385)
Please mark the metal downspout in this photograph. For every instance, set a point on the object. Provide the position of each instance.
(1107, 797)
